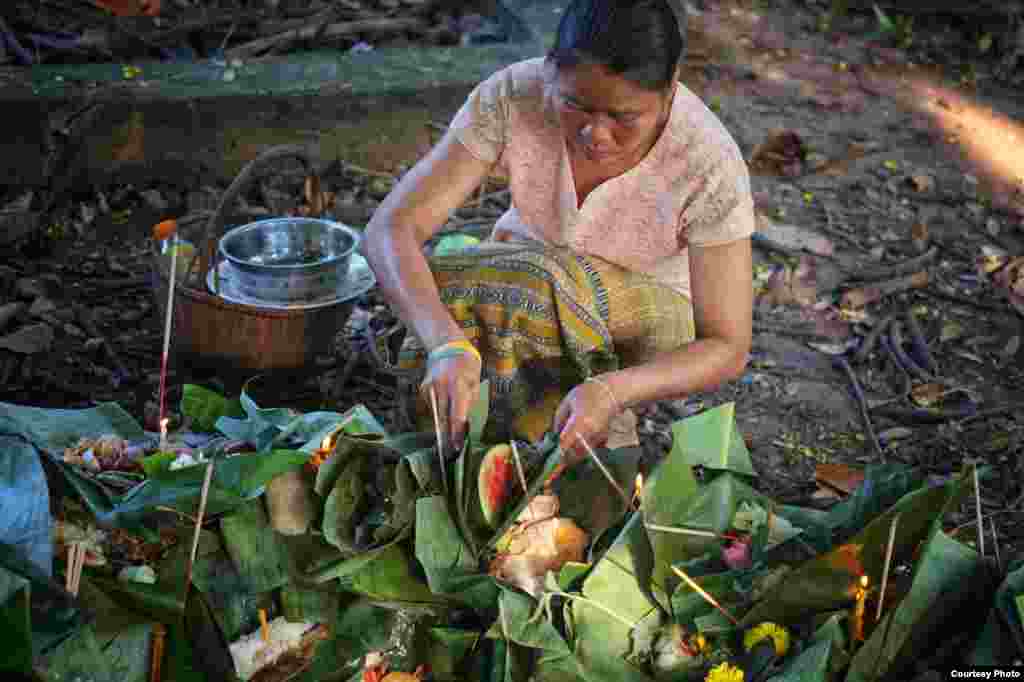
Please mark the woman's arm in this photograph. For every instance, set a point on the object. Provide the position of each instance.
(720, 279)
(414, 210)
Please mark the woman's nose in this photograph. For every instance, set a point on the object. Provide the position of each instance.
(596, 131)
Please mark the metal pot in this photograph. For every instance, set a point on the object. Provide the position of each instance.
(289, 260)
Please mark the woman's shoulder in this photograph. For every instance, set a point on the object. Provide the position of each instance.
(521, 80)
(698, 140)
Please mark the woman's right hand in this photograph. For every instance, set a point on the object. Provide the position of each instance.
(455, 380)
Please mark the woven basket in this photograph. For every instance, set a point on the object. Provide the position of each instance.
(236, 340)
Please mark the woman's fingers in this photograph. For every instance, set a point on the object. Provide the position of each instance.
(462, 398)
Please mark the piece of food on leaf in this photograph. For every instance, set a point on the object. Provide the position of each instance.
(538, 543)
(676, 651)
(375, 669)
(102, 454)
(253, 653)
(289, 500)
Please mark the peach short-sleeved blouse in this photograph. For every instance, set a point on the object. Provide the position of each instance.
(692, 188)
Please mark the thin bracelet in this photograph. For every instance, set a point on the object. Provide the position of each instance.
(452, 348)
(611, 394)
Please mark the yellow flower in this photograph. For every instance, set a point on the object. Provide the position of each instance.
(724, 672)
(777, 633)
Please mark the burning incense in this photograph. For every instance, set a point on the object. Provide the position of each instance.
(440, 439)
(167, 340)
(888, 563)
(199, 526)
(707, 597)
(607, 474)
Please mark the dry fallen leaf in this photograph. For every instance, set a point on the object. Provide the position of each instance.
(1011, 280)
(782, 153)
(839, 477)
(922, 183)
(927, 395)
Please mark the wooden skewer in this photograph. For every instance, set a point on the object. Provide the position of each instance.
(607, 474)
(707, 597)
(264, 627)
(440, 439)
(79, 568)
(199, 527)
(156, 662)
(888, 563)
(69, 566)
(683, 531)
(977, 504)
(995, 543)
(522, 474)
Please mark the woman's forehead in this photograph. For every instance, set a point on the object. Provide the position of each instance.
(594, 87)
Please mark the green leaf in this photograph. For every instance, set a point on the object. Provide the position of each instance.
(54, 430)
(516, 622)
(158, 463)
(885, 24)
(447, 648)
(389, 577)
(882, 487)
(812, 665)
(829, 581)
(586, 496)
(204, 407)
(478, 414)
(343, 504)
(309, 604)
(254, 548)
(439, 547)
(940, 596)
(711, 439)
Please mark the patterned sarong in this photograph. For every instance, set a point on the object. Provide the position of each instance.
(544, 319)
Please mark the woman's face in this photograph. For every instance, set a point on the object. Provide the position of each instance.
(608, 119)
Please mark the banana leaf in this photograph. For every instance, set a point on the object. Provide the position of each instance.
(1002, 639)
(948, 577)
(309, 604)
(53, 430)
(124, 637)
(688, 606)
(25, 501)
(236, 479)
(447, 650)
(882, 487)
(832, 630)
(829, 581)
(229, 596)
(586, 496)
(254, 547)
(518, 622)
(204, 407)
(389, 578)
(614, 604)
(79, 657)
(712, 440)
(440, 549)
(499, 660)
(35, 612)
(810, 665)
(266, 428)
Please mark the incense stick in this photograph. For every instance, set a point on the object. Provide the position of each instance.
(79, 567)
(995, 544)
(888, 563)
(707, 597)
(440, 440)
(167, 339)
(607, 474)
(522, 474)
(199, 526)
(977, 504)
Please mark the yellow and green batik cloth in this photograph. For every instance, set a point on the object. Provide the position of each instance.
(544, 319)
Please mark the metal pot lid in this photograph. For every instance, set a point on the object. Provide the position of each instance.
(360, 280)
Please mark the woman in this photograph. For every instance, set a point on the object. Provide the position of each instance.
(622, 273)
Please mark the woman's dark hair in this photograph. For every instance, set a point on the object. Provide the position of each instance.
(641, 40)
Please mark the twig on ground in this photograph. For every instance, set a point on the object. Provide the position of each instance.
(977, 508)
(887, 272)
(862, 403)
(877, 290)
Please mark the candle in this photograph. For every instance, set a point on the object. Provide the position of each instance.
(163, 434)
(857, 621)
(638, 490)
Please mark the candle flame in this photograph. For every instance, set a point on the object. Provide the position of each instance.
(163, 425)
(639, 483)
(864, 581)
(325, 444)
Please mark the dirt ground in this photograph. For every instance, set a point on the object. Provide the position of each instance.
(885, 157)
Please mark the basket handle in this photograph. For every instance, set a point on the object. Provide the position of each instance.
(208, 252)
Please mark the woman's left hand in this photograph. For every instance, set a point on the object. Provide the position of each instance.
(585, 414)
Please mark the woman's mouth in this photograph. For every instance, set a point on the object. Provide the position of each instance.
(597, 153)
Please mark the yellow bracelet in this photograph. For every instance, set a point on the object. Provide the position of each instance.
(611, 394)
(446, 350)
